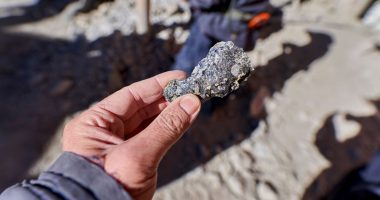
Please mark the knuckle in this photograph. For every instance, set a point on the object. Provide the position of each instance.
(172, 122)
(67, 128)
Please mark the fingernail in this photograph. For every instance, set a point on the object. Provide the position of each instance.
(189, 104)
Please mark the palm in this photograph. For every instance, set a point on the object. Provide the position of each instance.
(116, 132)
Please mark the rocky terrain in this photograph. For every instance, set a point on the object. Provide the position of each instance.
(307, 117)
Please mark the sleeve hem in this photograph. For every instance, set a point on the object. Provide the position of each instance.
(89, 175)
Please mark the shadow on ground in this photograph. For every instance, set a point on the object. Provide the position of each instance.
(345, 157)
(228, 121)
(42, 9)
(43, 80)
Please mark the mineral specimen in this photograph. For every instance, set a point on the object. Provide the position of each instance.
(216, 75)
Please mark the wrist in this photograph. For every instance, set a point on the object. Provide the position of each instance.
(98, 160)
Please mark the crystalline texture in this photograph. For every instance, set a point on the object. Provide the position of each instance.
(216, 75)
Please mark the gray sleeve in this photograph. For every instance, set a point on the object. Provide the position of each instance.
(70, 177)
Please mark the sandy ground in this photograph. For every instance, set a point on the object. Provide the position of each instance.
(305, 119)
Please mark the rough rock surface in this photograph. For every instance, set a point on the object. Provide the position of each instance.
(217, 75)
(316, 122)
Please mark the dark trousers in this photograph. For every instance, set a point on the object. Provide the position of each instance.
(195, 48)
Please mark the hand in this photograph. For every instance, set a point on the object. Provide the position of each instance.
(130, 131)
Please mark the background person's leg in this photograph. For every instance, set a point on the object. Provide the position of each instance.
(195, 48)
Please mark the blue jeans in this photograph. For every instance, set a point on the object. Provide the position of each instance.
(195, 48)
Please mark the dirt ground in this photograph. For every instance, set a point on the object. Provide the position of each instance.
(307, 117)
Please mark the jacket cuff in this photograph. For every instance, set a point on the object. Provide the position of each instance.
(89, 176)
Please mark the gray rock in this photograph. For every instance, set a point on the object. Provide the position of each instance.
(216, 75)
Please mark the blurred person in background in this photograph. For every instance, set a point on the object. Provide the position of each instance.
(238, 21)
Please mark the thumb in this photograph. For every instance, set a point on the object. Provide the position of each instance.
(169, 126)
(134, 163)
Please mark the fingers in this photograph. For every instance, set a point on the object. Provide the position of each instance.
(87, 140)
(130, 99)
(98, 117)
(168, 127)
(134, 163)
(143, 114)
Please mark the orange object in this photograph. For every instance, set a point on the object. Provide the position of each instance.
(258, 20)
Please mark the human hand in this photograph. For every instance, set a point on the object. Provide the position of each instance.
(129, 132)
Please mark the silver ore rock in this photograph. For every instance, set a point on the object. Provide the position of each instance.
(216, 75)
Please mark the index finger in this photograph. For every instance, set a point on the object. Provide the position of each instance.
(130, 99)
